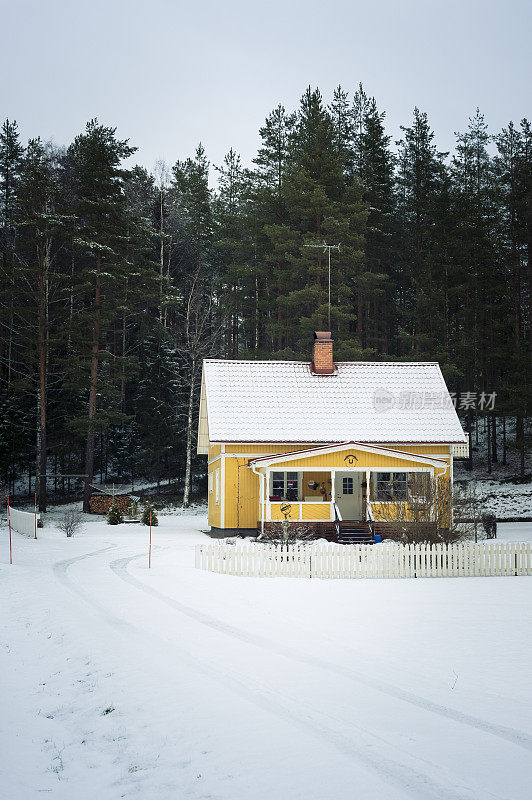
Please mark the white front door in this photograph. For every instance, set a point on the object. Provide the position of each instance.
(348, 492)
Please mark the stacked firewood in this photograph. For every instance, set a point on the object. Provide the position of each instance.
(100, 503)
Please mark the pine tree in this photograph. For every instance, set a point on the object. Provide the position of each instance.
(114, 515)
(513, 170)
(41, 226)
(156, 391)
(96, 157)
(196, 331)
(323, 206)
(376, 320)
(420, 180)
(361, 106)
(11, 152)
(343, 122)
(149, 515)
(474, 280)
(272, 239)
(273, 154)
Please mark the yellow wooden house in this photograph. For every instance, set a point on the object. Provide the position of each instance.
(317, 443)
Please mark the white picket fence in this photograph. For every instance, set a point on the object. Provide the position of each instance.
(367, 561)
(23, 521)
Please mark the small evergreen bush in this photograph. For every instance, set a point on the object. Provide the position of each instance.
(114, 515)
(146, 515)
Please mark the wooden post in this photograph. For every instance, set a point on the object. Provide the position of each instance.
(9, 523)
(35, 514)
(149, 552)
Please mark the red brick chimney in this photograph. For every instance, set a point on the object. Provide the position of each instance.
(322, 353)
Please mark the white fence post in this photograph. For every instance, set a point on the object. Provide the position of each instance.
(366, 561)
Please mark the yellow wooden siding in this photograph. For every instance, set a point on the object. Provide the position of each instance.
(340, 459)
(215, 511)
(296, 511)
(273, 449)
(421, 449)
(214, 450)
(317, 511)
(241, 494)
(315, 477)
(265, 449)
(291, 511)
(242, 484)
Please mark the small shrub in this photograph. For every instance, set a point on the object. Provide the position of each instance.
(71, 523)
(287, 533)
(114, 515)
(145, 519)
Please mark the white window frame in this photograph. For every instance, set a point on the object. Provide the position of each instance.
(217, 485)
(210, 482)
(285, 474)
(390, 483)
(348, 484)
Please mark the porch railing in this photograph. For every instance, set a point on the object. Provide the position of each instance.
(370, 516)
(299, 511)
(337, 519)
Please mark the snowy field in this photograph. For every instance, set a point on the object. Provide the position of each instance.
(119, 682)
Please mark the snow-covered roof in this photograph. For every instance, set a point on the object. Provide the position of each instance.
(364, 401)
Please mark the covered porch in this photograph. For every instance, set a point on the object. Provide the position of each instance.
(343, 485)
(315, 495)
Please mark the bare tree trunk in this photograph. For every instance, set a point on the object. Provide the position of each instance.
(123, 377)
(470, 432)
(520, 442)
(256, 314)
(89, 451)
(190, 422)
(71, 304)
(488, 441)
(504, 439)
(41, 461)
(10, 343)
(494, 453)
(161, 253)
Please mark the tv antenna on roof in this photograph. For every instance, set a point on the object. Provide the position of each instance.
(327, 247)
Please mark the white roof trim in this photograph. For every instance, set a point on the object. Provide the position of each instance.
(203, 422)
(265, 461)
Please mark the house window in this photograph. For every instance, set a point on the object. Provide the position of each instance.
(285, 485)
(391, 486)
(217, 486)
(278, 484)
(347, 485)
(210, 482)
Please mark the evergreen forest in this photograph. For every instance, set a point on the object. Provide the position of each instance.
(115, 282)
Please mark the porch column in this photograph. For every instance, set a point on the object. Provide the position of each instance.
(368, 499)
(261, 501)
(267, 495)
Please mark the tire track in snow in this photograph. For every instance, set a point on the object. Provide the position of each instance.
(416, 784)
(516, 737)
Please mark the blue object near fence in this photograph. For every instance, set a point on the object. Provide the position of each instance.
(377, 538)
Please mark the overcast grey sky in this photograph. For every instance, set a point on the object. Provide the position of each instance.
(169, 73)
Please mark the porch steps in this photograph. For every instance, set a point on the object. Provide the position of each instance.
(355, 532)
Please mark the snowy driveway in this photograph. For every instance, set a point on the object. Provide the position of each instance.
(174, 683)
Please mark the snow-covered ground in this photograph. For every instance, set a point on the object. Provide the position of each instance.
(124, 682)
(506, 500)
(501, 497)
